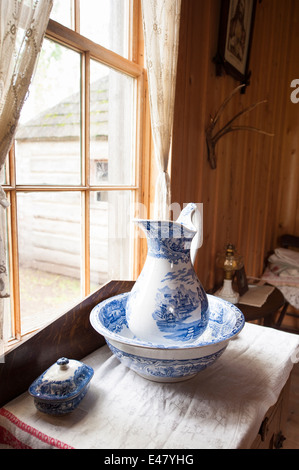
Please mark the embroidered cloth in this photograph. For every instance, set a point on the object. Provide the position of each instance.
(222, 407)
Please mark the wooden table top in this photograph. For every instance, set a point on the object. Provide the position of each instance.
(273, 303)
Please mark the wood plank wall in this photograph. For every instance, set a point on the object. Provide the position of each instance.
(252, 196)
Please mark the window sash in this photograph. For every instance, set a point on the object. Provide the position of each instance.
(89, 50)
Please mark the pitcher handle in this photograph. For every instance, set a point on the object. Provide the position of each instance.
(192, 217)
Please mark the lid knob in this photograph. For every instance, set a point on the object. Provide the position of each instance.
(63, 363)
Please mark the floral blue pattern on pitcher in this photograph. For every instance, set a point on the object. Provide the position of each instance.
(168, 304)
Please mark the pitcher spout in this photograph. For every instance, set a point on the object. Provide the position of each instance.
(163, 229)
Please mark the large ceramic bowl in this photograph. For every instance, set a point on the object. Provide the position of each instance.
(166, 363)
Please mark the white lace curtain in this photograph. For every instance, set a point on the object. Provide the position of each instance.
(22, 27)
(161, 24)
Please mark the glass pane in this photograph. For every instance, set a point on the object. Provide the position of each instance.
(112, 123)
(48, 149)
(3, 178)
(49, 236)
(62, 12)
(5, 291)
(110, 236)
(106, 23)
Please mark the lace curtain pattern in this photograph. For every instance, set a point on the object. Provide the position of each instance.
(22, 27)
(161, 24)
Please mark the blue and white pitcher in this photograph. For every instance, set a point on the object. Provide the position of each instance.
(168, 305)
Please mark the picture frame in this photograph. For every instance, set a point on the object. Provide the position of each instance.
(235, 39)
(242, 283)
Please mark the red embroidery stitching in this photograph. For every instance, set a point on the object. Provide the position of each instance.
(9, 439)
(30, 430)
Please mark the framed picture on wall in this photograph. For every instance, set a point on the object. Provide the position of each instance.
(235, 37)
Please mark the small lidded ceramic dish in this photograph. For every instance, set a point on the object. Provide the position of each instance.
(61, 388)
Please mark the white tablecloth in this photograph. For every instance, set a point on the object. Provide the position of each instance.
(222, 407)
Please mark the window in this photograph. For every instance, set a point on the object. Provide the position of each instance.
(72, 175)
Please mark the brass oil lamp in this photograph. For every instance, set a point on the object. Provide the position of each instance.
(230, 261)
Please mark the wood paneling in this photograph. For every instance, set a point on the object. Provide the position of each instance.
(252, 196)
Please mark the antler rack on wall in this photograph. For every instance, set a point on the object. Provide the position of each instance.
(213, 139)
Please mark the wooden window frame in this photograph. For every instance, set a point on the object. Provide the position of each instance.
(134, 67)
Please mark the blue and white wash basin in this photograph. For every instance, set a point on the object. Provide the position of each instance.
(166, 362)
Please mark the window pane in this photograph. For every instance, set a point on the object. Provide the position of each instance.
(112, 124)
(3, 179)
(48, 149)
(62, 12)
(49, 236)
(5, 289)
(110, 236)
(106, 23)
